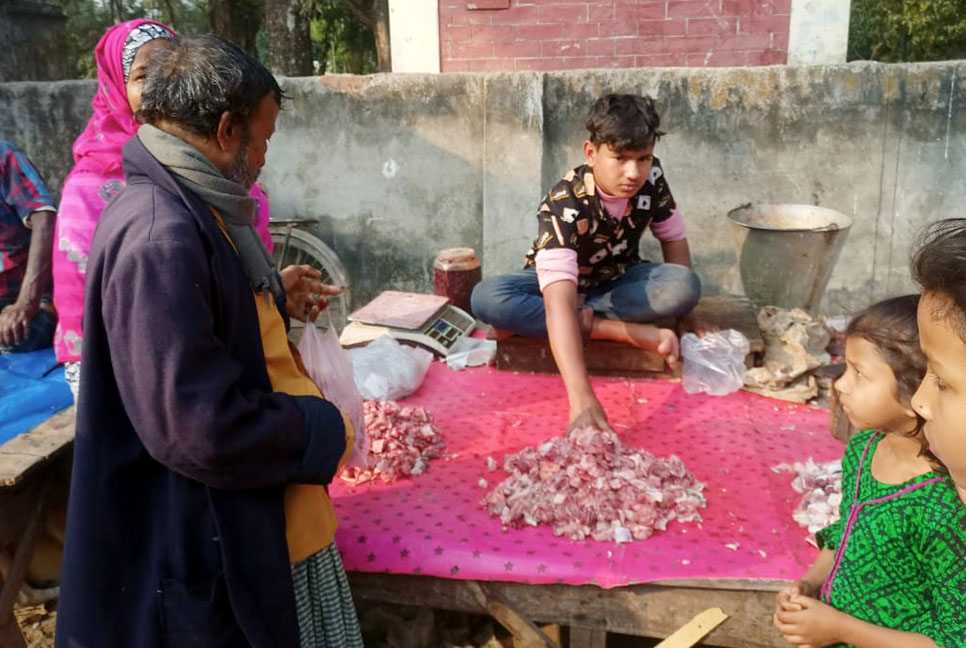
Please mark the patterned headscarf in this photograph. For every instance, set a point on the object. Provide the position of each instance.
(98, 148)
(140, 35)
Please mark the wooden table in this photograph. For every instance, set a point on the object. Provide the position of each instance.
(651, 610)
(34, 473)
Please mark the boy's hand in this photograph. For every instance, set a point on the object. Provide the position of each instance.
(590, 415)
(815, 625)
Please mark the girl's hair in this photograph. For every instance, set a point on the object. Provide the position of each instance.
(939, 265)
(892, 327)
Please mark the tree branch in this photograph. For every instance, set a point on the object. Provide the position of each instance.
(362, 11)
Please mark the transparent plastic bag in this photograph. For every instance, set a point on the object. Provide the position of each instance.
(715, 363)
(330, 367)
(388, 370)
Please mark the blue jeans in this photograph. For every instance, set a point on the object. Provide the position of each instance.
(41, 334)
(644, 293)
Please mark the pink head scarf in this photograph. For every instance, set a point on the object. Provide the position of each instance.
(98, 149)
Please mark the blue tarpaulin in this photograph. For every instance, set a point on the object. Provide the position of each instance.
(32, 389)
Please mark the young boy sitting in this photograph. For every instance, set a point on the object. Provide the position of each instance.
(584, 278)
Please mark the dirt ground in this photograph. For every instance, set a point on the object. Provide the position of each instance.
(383, 626)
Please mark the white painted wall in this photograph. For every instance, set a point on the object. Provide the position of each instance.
(819, 32)
(414, 35)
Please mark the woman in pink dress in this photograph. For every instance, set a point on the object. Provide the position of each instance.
(122, 55)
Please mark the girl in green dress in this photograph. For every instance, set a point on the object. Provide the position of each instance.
(890, 571)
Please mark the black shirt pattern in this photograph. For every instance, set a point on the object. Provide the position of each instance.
(572, 216)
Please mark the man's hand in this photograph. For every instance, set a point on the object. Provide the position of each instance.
(305, 295)
(813, 625)
(15, 322)
(589, 414)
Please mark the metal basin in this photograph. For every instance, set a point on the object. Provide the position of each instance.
(786, 253)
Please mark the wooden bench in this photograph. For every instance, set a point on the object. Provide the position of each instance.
(651, 610)
(605, 358)
(34, 473)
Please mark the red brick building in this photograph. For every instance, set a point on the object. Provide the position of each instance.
(489, 35)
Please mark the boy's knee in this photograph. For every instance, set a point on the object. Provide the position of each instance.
(678, 291)
(482, 299)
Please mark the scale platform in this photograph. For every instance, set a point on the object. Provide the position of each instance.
(425, 320)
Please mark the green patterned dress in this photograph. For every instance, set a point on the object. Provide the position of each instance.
(900, 557)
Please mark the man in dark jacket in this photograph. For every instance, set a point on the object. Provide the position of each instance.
(176, 527)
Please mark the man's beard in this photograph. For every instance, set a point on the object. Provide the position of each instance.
(240, 171)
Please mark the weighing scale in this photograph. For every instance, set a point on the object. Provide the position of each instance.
(429, 321)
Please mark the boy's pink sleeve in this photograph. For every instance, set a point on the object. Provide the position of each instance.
(670, 229)
(556, 264)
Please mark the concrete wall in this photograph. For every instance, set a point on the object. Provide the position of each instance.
(395, 167)
(491, 35)
(32, 42)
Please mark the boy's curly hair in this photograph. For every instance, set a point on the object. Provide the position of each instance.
(624, 122)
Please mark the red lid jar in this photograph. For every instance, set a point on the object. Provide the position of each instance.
(455, 272)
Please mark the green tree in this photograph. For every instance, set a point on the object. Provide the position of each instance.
(87, 20)
(907, 30)
(341, 44)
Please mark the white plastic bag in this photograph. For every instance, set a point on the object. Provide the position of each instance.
(715, 363)
(330, 367)
(387, 370)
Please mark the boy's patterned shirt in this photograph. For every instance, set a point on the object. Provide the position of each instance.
(22, 192)
(573, 217)
(903, 564)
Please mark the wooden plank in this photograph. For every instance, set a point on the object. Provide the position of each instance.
(602, 357)
(606, 358)
(27, 452)
(641, 610)
(732, 311)
(695, 629)
(525, 633)
(10, 635)
(13, 578)
(587, 638)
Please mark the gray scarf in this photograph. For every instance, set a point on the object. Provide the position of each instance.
(195, 173)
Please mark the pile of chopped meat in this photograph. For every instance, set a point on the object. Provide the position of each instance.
(821, 488)
(588, 483)
(402, 440)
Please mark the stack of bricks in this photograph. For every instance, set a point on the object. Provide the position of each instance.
(490, 35)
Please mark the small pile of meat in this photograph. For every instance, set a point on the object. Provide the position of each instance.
(588, 483)
(402, 440)
(821, 489)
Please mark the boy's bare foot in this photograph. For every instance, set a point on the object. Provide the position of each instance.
(644, 336)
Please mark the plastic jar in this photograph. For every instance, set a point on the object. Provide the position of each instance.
(455, 272)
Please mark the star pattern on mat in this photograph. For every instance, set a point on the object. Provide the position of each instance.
(404, 553)
(438, 551)
(541, 569)
(455, 570)
(508, 566)
(371, 557)
(396, 539)
(362, 539)
(477, 553)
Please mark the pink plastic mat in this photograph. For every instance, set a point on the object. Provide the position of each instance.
(433, 524)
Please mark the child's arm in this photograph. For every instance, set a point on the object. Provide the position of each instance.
(810, 584)
(676, 252)
(817, 624)
(563, 329)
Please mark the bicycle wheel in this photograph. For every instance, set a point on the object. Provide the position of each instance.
(293, 247)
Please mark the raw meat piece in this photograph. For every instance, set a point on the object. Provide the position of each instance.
(821, 489)
(403, 438)
(588, 483)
